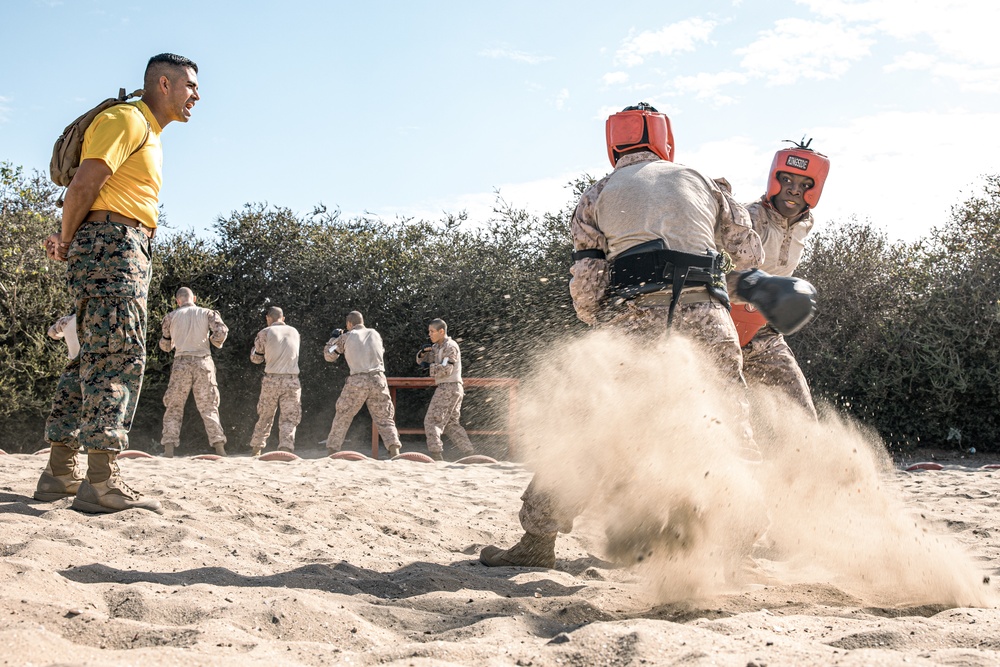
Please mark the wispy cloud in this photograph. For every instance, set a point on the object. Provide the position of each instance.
(561, 98)
(870, 147)
(546, 195)
(961, 34)
(969, 78)
(516, 56)
(707, 86)
(797, 49)
(615, 78)
(911, 60)
(674, 38)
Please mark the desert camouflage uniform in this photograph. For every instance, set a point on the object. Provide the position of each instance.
(277, 391)
(445, 409)
(61, 427)
(193, 374)
(108, 272)
(767, 359)
(704, 321)
(361, 388)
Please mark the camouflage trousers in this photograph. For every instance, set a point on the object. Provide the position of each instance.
(372, 390)
(768, 361)
(108, 272)
(442, 418)
(278, 391)
(192, 375)
(706, 323)
(62, 427)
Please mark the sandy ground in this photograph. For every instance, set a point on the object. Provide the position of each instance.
(317, 561)
(683, 552)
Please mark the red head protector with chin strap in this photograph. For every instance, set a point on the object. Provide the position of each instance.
(800, 160)
(640, 126)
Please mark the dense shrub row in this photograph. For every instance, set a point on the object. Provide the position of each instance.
(907, 338)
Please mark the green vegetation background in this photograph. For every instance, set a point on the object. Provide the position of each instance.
(907, 340)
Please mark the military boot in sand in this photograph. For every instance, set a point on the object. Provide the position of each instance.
(104, 491)
(437, 456)
(393, 452)
(532, 551)
(220, 448)
(61, 477)
(168, 451)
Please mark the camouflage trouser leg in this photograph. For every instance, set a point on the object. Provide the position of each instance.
(195, 374)
(709, 325)
(290, 404)
(62, 427)
(381, 409)
(206, 399)
(278, 391)
(541, 514)
(108, 270)
(352, 397)
(768, 361)
(443, 418)
(112, 361)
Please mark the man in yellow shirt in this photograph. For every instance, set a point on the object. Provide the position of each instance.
(109, 219)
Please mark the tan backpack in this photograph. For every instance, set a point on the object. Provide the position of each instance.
(69, 146)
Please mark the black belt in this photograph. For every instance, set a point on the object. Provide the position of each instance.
(652, 267)
(588, 254)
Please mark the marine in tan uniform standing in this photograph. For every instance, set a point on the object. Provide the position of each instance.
(652, 241)
(782, 218)
(191, 331)
(443, 359)
(362, 348)
(278, 346)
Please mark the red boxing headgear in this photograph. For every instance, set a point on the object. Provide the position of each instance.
(640, 126)
(800, 160)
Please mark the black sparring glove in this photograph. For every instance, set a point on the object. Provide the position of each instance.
(422, 355)
(336, 333)
(786, 303)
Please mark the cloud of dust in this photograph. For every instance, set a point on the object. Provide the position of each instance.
(643, 437)
(836, 515)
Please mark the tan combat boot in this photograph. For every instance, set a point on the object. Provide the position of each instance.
(61, 477)
(168, 451)
(220, 448)
(531, 551)
(393, 452)
(104, 491)
(437, 456)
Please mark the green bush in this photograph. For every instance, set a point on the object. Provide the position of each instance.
(906, 340)
(32, 295)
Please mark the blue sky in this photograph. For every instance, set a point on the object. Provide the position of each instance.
(419, 108)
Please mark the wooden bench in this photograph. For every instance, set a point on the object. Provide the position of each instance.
(510, 384)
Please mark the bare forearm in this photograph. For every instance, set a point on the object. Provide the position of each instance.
(81, 194)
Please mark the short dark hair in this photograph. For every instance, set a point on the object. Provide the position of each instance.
(275, 313)
(163, 62)
(355, 318)
(438, 324)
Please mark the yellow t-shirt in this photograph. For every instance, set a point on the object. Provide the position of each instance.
(134, 187)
